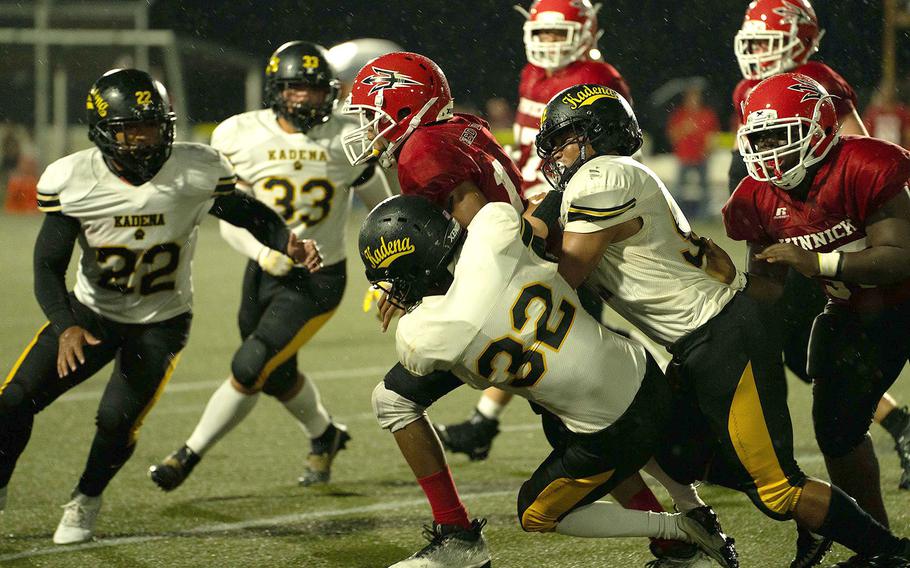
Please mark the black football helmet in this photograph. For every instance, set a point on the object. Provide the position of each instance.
(125, 98)
(406, 244)
(301, 62)
(585, 113)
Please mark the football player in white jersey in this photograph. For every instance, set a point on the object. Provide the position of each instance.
(289, 157)
(625, 237)
(485, 307)
(134, 204)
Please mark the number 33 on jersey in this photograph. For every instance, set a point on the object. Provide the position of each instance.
(305, 178)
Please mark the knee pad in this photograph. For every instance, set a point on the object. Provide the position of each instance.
(533, 519)
(249, 361)
(836, 440)
(778, 500)
(282, 379)
(826, 346)
(112, 424)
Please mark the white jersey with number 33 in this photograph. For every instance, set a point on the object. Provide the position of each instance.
(305, 178)
(655, 278)
(137, 241)
(509, 320)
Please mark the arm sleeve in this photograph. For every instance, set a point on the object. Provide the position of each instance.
(599, 197)
(53, 250)
(243, 210)
(371, 187)
(241, 240)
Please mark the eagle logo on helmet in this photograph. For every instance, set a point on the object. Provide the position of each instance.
(809, 88)
(388, 79)
(792, 14)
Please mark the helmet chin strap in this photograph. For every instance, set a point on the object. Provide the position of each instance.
(387, 158)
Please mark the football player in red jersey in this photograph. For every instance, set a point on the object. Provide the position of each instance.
(837, 210)
(406, 118)
(780, 36)
(559, 36)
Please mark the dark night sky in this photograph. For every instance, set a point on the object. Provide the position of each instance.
(477, 43)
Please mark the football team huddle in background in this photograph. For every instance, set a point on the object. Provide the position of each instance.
(501, 264)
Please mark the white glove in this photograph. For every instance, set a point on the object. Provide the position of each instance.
(274, 262)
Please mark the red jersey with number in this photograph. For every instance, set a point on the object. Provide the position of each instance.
(535, 89)
(859, 175)
(439, 157)
(837, 86)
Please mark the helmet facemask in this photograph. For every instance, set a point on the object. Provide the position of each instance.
(552, 55)
(303, 115)
(137, 153)
(780, 150)
(763, 53)
(550, 151)
(379, 135)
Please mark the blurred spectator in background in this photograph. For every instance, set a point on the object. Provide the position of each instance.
(690, 129)
(10, 150)
(501, 115)
(22, 186)
(887, 118)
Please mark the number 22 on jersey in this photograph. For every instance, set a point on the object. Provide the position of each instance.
(121, 266)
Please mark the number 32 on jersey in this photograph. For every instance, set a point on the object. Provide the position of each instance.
(528, 366)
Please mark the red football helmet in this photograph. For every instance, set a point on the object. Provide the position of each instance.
(789, 125)
(776, 36)
(577, 19)
(392, 95)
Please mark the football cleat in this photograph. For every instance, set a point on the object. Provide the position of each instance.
(319, 462)
(903, 451)
(451, 546)
(78, 521)
(703, 528)
(695, 559)
(173, 471)
(473, 437)
(810, 548)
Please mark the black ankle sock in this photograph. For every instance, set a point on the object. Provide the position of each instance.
(896, 422)
(852, 527)
(321, 444)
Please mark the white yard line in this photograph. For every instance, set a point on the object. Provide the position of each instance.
(239, 526)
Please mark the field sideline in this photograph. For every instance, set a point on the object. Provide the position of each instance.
(242, 506)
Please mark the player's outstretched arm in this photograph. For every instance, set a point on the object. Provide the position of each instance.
(766, 280)
(886, 260)
(53, 250)
(242, 210)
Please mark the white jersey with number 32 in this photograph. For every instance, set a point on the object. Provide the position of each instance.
(655, 278)
(509, 320)
(137, 241)
(305, 178)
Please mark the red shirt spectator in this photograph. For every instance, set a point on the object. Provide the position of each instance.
(690, 128)
(888, 119)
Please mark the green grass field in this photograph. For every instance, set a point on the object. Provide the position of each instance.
(242, 506)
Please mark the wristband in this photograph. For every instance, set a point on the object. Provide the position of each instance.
(830, 264)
